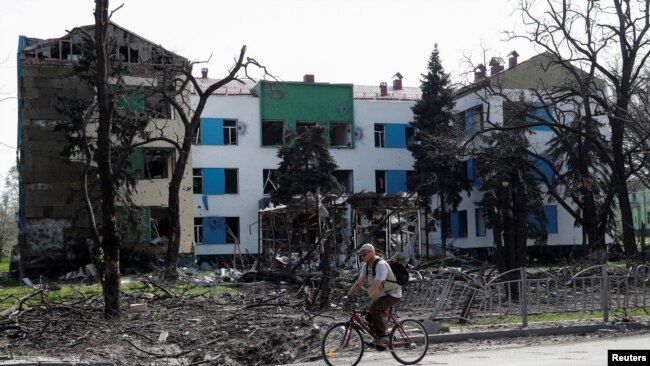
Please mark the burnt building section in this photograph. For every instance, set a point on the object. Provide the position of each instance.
(53, 221)
(299, 232)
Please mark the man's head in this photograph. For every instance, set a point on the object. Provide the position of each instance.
(367, 253)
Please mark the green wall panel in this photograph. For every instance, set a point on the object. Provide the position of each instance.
(318, 102)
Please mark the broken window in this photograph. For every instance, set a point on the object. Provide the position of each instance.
(150, 163)
(272, 133)
(380, 181)
(410, 135)
(156, 106)
(157, 164)
(217, 230)
(301, 126)
(232, 230)
(197, 181)
(269, 180)
(230, 181)
(340, 134)
(380, 136)
(230, 132)
(198, 230)
(344, 177)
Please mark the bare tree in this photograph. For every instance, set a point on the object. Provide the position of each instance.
(190, 117)
(608, 40)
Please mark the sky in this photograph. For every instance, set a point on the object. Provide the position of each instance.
(362, 42)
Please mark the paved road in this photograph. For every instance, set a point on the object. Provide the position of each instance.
(585, 353)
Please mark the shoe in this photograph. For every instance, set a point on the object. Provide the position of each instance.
(380, 343)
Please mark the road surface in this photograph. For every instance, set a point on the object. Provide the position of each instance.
(572, 352)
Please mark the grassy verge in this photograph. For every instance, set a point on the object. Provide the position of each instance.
(554, 317)
(76, 292)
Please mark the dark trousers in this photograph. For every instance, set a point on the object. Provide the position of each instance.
(375, 318)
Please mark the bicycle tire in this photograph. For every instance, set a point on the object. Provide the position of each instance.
(409, 344)
(336, 354)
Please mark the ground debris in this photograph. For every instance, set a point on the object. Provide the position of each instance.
(264, 324)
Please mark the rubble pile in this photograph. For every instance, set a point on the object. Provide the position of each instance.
(261, 324)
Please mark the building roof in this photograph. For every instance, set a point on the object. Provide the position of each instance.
(233, 88)
(373, 92)
(360, 92)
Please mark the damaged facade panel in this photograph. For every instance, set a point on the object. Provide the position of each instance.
(53, 222)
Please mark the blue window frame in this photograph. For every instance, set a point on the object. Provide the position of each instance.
(543, 167)
(217, 181)
(539, 114)
(211, 131)
(550, 212)
(395, 181)
(458, 220)
(215, 231)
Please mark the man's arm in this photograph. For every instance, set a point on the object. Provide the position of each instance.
(357, 286)
(374, 288)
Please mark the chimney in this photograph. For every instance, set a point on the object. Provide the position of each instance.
(496, 65)
(479, 73)
(308, 78)
(383, 89)
(204, 73)
(397, 81)
(512, 59)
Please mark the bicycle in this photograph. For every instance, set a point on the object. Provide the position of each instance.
(343, 342)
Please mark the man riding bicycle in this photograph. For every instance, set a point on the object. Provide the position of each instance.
(384, 291)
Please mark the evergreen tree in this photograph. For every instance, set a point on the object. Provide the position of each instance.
(512, 202)
(306, 166)
(436, 149)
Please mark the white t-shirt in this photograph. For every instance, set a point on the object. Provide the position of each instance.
(382, 273)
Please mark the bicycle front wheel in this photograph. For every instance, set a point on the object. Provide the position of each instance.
(409, 342)
(342, 345)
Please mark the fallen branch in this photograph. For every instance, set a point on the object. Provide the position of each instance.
(19, 303)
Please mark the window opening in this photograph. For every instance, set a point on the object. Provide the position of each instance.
(270, 180)
(344, 177)
(230, 181)
(198, 230)
(301, 126)
(197, 181)
(380, 181)
(380, 136)
(340, 134)
(272, 133)
(232, 230)
(410, 135)
(156, 164)
(230, 132)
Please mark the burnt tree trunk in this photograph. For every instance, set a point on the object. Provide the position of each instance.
(110, 237)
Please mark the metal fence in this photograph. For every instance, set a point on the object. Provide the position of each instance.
(523, 292)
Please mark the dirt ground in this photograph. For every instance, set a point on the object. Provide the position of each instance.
(263, 324)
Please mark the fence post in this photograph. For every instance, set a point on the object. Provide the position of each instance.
(604, 292)
(523, 297)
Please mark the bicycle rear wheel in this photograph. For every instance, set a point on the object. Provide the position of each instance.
(409, 343)
(342, 345)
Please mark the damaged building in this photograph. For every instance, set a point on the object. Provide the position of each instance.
(235, 157)
(53, 221)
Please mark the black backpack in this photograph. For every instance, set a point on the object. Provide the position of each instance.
(398, 269)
